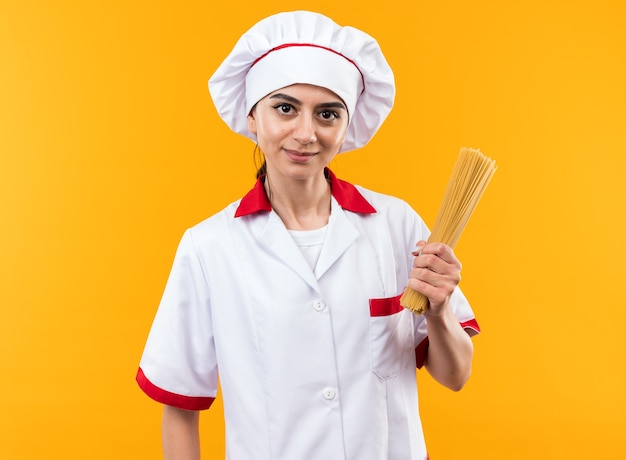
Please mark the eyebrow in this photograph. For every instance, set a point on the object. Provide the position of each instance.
(324, 105)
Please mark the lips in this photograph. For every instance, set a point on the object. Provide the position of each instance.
(298, 156)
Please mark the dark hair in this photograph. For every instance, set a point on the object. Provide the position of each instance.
(259, 162)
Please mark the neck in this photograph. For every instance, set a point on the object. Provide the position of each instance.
(301, 204)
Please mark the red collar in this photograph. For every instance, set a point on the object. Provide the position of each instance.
(346, 194)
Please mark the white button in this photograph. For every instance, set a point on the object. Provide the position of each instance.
(319, 305)
(329, 393)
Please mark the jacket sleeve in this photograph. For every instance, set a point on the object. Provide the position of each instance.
(178, 366)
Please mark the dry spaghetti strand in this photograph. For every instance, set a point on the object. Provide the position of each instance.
(469, 179)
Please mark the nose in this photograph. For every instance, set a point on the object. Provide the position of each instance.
(304, 129)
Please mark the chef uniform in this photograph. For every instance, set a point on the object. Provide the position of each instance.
(315, 356)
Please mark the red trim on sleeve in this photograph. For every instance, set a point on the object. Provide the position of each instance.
(172, 399)
(421, 351)
(472, 325)
(385, 307)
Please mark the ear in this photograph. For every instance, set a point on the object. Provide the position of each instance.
(252, 123)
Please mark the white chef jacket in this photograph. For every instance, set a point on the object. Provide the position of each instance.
(314, 364)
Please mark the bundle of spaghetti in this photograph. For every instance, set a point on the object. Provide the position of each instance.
(469, 179)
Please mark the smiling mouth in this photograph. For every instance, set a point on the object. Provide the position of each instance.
(300, 157)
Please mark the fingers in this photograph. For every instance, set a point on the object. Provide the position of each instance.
(438, 280)
(441, 250)
(436, 295)
(436, 271)
(418, 247)
(437, 257)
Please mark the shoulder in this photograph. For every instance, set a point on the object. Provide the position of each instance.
(385, 204)
(216, 226)
(395, 214)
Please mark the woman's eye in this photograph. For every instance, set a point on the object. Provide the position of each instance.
(284, 108)
(329, 115)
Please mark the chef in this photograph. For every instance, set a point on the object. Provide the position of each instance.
(290, 295)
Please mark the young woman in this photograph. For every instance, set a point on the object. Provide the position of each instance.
(291, 294)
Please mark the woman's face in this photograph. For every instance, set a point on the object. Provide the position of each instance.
(300, 129)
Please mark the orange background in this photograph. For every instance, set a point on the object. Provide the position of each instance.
(110, 147)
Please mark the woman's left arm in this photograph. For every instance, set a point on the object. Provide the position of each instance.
(436, 273)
